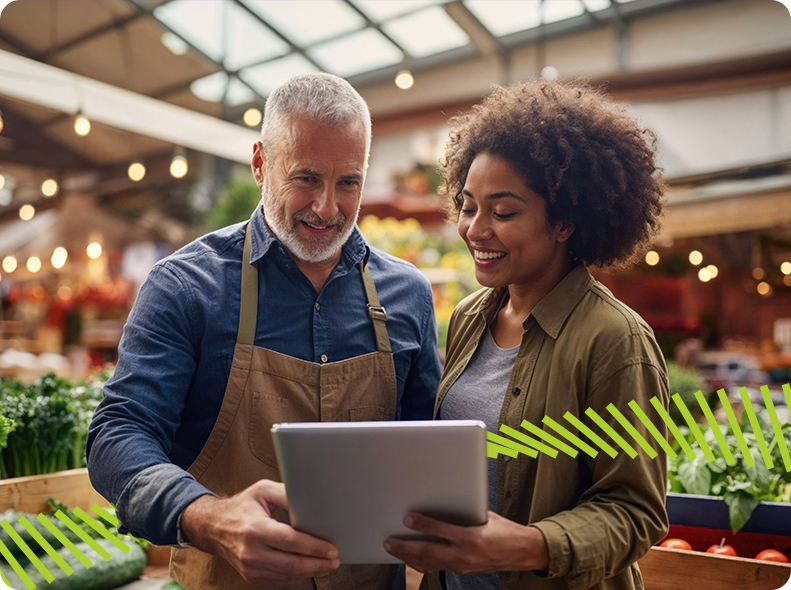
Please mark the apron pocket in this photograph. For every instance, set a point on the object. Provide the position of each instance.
(366, 414)
(266, 411)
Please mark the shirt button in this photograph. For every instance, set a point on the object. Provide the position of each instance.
(323, 358)
(318, 307)
(508, 494)
(516, 391)
(507, 458)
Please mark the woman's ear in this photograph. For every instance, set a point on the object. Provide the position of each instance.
(564, 230)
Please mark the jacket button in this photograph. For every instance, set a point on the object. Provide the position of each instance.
(508, 494)
(516, 391)
(323, 358)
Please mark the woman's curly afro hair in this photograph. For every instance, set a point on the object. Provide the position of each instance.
(585, 155)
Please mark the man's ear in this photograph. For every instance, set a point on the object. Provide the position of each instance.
(258, 164)
(565, 229)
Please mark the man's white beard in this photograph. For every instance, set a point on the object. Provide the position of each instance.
(309, 249)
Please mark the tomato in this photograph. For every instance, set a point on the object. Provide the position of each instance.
(722, 549)
(772, 555)
(676, 544)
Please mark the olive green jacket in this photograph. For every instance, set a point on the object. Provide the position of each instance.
(581, 348)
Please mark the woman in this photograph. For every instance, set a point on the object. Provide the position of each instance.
(547, 179)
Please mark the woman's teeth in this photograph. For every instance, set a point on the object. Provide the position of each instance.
(488, 255)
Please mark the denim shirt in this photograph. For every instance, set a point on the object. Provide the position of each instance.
(175, 355)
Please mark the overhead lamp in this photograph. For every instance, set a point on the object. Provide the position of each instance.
(252, 117)
(652, 258)
(82, 125)
(713, 271)
(59, 257)
(49, 188)
(550, 73)
(787, 280)
(695, 257)
(34, 264)
(785, 268)
(94, 250)
(763, 288)
(136, 171)
(26, 212)
(178, 165)
(9, 264)
(704, 274)
(404, 80)
(2, 181)
(2, 123)
(758, 273)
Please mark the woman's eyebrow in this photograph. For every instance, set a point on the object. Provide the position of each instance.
(494, 196)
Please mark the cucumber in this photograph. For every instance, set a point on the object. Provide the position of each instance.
(102, 575)
(13, 519)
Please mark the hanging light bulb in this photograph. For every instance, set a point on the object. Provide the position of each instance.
(136, 171)
(404, 80)
(252, 117)
(26, 212)
(652, 258)
(9, 264)
(763, 288)
(49, 188)
(2, 123)
(82, 125)
(34, 264)
(2, 181)
(713, 271)
(178, 165)
(695, 257)
(785, 268)
(59, 257)
(704, 274)
(94, 250)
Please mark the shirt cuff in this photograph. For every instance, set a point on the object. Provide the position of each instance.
(558, 548)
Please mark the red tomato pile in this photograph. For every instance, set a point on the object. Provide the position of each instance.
(723, 549)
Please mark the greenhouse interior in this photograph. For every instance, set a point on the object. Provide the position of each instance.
(127, 129)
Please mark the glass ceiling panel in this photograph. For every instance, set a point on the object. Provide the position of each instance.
(503, 17)
(201, 22)
(595, 5)
(210, 88)
(308, 21)
(381, 10)
(555, 10)
(357, 53)
(268, 76)
(426, 32)
(238, 93)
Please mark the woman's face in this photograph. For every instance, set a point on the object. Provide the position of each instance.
(503, 223)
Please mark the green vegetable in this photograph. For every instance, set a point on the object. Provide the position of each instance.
(742, 487)
(44, 425)
(172, 585)
(13, 519)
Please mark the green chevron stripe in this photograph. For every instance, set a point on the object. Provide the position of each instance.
(549, 438)
(504, 442)
(715, 428)
(102, 530)
(66, 542)
(15, 565)
(770, 408)
(103, 553)
(627, 426)
(99, 511)
(492, 450)
(609, 430)
(679, 438)
(46, 546)
(759, 435)
(638, 411)
(704, 446)
(726, 405)
(528, 440)
(584, 447)
(590, 434)
(27, 551)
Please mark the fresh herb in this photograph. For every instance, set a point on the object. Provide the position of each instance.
(742, 487)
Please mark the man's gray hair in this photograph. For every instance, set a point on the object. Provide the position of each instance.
(318, 97)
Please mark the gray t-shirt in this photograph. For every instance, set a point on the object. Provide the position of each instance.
(478, 395)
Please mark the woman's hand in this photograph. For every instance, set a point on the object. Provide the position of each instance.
(498, 545)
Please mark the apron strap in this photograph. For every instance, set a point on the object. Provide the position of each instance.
(376, 311)
(249, 308)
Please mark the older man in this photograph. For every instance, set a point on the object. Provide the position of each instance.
(288, 317)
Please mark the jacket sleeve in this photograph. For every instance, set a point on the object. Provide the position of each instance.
(622, 512)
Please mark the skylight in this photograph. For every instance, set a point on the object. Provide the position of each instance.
(268, 76)
(503, 17)
(426, 32)
(357, 53)
(381, 10)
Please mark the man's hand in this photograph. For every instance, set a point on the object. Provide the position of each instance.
(498, 545)
(241, 530)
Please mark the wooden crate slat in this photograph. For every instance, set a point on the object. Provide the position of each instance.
(30, 494)
(673, 569)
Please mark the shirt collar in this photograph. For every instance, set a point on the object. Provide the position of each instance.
(263, 240)
(554, 309)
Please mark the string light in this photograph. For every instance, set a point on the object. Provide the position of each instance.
(9, 264)
(178, 165)
(49, 188)
(252, 117)
(652, 258)
(785, 268)
(704, 274)
(758, 273)
(94, 250)
(695, 257)
(136, 171)
(82, 125)
(2, 181)
(34, 264)
(404, 80)
(2, 123)
(713, 271)
(59, 257)
(763, 288)
(26, 212)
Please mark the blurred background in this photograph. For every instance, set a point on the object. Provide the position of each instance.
(127, 128)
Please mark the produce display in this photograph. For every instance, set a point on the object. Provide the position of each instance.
(43, 426)
(676, 544)
(722, 549)
(742, 487)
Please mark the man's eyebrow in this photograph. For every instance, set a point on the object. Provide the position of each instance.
(353, 176)
(494, 196)
(305, 172)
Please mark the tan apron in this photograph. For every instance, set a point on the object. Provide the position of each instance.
(265, 388)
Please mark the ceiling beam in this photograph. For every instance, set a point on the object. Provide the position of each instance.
(117, 24)
(480, 36)
(373, 25)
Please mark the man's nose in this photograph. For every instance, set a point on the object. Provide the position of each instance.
(326, 204)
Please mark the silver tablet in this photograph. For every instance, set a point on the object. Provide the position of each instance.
(352, 483)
